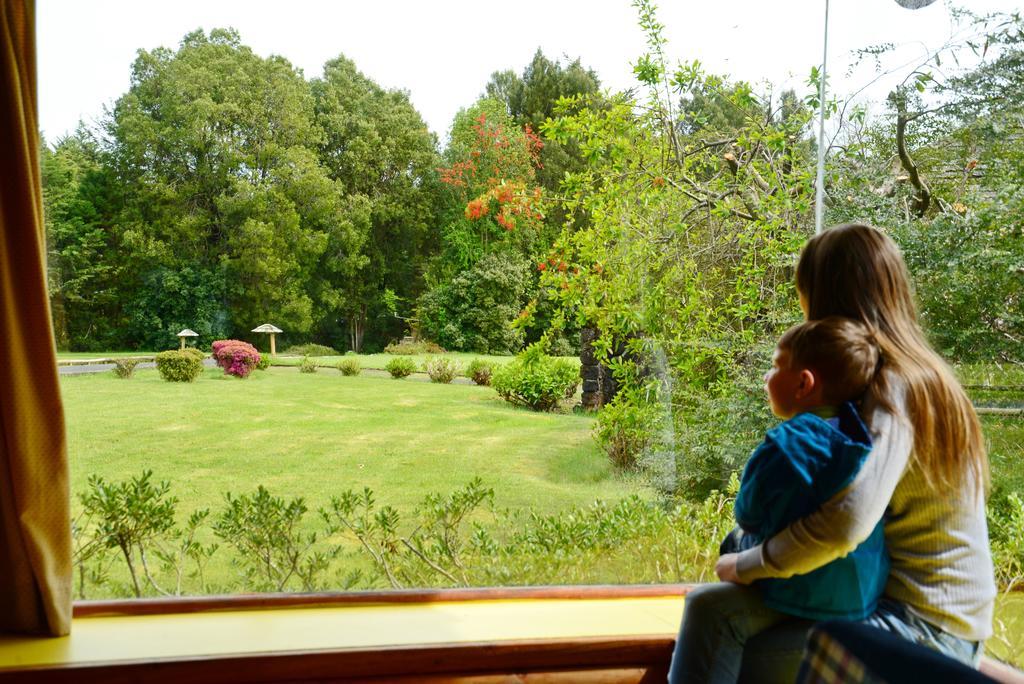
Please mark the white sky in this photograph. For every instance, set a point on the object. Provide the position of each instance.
(444, 51)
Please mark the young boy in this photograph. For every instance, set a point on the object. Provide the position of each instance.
(819, 369)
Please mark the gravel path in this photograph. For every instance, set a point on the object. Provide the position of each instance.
(83, 368)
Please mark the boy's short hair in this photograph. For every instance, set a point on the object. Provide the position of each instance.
(842, 352)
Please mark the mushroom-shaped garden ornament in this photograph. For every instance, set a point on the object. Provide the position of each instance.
(273, 330)
(186, 333)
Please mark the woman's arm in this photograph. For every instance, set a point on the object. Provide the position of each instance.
(845, 520)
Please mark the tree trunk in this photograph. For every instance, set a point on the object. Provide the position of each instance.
(356, 329)
(60, 321)
(923, 196)
(131, 570)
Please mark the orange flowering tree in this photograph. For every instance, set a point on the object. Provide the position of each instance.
(491, 173)
(492, 231)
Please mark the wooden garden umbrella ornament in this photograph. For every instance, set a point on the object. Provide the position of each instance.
(272, 330)
(186, 333)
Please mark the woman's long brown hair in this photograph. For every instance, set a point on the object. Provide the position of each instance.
(858, 272)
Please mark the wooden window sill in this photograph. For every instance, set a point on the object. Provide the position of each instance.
(533, 634)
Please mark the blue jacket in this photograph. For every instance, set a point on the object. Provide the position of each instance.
(800, 465)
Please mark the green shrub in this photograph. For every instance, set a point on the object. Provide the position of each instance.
(310, 350)
(535, 380)
(264, 362)
(580, 545)
(479, 371)
(441, 370)
(435, 546)
(474, 310)
(560, 346)
(130, 516)
(308, 365)
(179, 366)
(715, 429)
(272, 548)
(411, 348)
(625, 429)
(125, 368)
(400, 367)
(349, 366)
(194, 353)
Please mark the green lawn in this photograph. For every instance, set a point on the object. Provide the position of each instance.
(1005, 437)
(315, 435)
(1004, 434)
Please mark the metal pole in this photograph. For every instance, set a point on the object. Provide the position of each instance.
(819, 198)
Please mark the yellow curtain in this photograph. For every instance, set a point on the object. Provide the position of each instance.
(35, 537)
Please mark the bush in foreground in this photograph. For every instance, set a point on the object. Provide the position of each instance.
(349, 366)
(130, 516)
(441, 370)
(535, 380)
(456, 538)
(236, 357)
(308, 365)
(271, 549)
(400, 367)
(179, 366)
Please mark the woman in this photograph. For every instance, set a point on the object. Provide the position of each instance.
(927, 472)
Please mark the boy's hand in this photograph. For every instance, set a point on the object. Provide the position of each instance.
(725, 568)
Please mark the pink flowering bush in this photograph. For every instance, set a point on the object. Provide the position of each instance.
(235, 357)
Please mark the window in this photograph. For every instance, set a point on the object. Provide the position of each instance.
(657, 219)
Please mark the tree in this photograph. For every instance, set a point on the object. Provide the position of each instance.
(170, 299)
(380, 152)
(952, 196)
(473, 310)
(212, 145)
(710, 105)
(684, 260)
(493, 200)
(82, 263)
(493, 220)
(696, 218)
(225, 190)
(531, 99)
